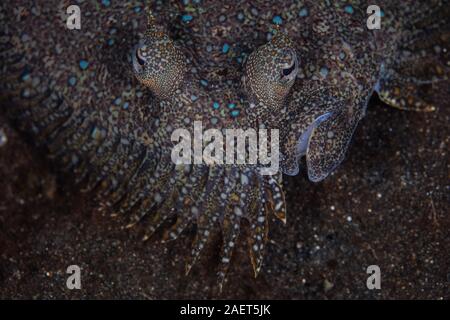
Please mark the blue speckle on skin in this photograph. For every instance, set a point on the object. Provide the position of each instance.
(94, 132)
(126, 105)
(72, 81)
(349, 9)
(234, 113)
(110, 42)
(303, 12)
(381, 13)
(194, 97)
(277, 20)
(186, 18)
(83, 64)
(231, 105)
(377, 86)
(204, 82)
(324, 71)
(216, 105)
(25, 75)
(118, 101)
(240, 16)
(106, 3)
(25, 93)
(225, 48)
(137, 9)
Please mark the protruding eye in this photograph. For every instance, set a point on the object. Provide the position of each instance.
(271, 70)
(158, 64)
(139, 57)
(289, 64)
(287, 71)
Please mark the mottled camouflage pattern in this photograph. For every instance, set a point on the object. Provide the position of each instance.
(78, 93)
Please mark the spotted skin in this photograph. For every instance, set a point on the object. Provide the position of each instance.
(104, 100)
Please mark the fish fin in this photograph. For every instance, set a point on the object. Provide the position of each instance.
(422, 62)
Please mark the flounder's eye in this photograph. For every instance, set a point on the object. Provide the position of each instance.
(271, 70)
(140, 57)
(289, 65)
(288, 71)
(158, 64)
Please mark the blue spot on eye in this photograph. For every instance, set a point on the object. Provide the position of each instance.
(231, 105)
(83, 64)
(216, 105)
(234, 113)
(126, 105)
(186, 18)
(110, 42)
(204, 82)
(277, 20)
(194, 97)
(303, 12)
(106, 3)
(349, 9)
(225, 48)
(72, 81)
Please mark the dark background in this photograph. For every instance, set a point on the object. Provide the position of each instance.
(387, 204)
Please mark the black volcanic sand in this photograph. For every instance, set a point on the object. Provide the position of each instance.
(387, 204)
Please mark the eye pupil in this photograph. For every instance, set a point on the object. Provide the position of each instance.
(139, 59)
(289, 70)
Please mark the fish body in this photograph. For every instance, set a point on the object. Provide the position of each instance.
(105, 100)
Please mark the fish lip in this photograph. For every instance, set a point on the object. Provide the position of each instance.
(303, 142)
(305, 137)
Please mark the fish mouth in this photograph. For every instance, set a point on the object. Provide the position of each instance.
(303, 141)
(291, 167)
